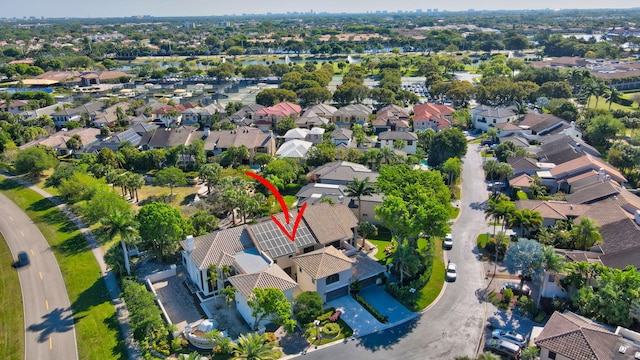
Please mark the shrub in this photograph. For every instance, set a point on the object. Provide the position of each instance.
(507, 295)
(331, 329)
(307, 306)
(270, 337)
(376, 314)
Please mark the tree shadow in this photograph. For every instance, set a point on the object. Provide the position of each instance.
(479, 205)
(293, 343)
(59, 320)
(93, 296)
(60, 220)
(119, 351)
(187, 199)
(386, 339)
(8, 184)
(41, 205)
(72, 246)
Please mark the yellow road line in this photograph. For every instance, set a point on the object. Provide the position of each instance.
(21, 233)
(50, 343)
(46, 302)
(32, 253)
(40, 273)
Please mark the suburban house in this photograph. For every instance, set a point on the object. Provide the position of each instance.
(169, 116)
(14, 106)
(308, 122)
(320, 110)
(517, 140)
(217, 142)
(560, 148)
(568, 336)
(267, 118)
(314, 193)
(585, 164)
(260, 256)
(523, 165)
(295, 148)
(432, 116)
(409, 140)
(168, 137)
(246, 114)
(114, 141)
(533, 126)
(204, 116)
(74, 114)
(315, 135)
(341, 136)
(341, 173)
(149, 108)
(47, 110)
(110, 115)
(58, 141)
(351, 114)
(483, 116)
(522, 182)
(391, 117)
(553, 211)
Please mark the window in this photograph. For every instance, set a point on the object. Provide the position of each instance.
(333, 278)
(409, 142)
(552, 355)
(551, 278)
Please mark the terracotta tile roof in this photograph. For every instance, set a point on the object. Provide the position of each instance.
(553, 209)
(215, 247)
(282, 109)
(272, 277)
(323, 262)
(426, 110)
(577, 338)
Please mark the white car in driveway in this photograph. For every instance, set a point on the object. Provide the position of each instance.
(451, 272)
(510, 336)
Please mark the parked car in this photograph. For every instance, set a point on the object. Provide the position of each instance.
(510, 336)
(23, 259)
(515, 287)
(448, 241)
(451, 272)
(503, 347)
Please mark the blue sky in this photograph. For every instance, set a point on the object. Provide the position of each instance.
(119, 8)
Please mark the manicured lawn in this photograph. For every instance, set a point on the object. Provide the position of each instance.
(345, 330)
(603, 104)
(97, 330)
(182, 195)
(12, 324)
(380, 244)
(482, 240)
(431, 291)
(454, 210)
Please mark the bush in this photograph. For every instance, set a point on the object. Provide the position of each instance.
(373, 311)
(331, 330)
(307, 306)
(507, 295)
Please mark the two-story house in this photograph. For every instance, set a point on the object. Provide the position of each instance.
(267, 118)
(483, 116)
(432, 116)
(350, 115)
(409, 140)
(66, 115)
(391, 117)
(14, 106)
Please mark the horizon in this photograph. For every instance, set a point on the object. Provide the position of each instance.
(205, 8)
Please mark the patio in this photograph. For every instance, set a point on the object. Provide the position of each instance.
(228, 318)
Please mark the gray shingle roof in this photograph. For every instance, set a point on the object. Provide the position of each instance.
(343, 171)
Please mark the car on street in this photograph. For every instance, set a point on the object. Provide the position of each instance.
(515, 287)
(448, 242)
(510, 336)
(23, 259)
(451, 272)
(503, 347)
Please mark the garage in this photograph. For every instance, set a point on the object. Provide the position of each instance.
(337, 293)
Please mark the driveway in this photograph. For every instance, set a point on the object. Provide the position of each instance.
(386, 304)
(359, 319)
(454, 325)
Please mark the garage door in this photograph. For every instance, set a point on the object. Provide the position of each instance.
(368, 281)
(337, 293)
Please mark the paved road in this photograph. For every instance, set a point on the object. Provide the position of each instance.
(453, 326)
(50, 333)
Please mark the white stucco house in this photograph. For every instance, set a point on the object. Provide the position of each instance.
(409, 139)
(483, 116)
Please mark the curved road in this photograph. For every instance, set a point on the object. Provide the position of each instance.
(49, 330)
(453, 326)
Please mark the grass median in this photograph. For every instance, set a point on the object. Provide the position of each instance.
(97, 329)
(12, 324)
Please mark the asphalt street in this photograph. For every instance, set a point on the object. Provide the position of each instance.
(453, 326)
(49, 330)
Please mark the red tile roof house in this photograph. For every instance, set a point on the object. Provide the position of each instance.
(267, 118)
(391, 117)
(432, 116)
(169, 116)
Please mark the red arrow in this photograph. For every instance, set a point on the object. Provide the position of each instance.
(283, 205)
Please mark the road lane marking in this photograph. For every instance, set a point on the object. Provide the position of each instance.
(10, 218)
(22, 233)
(40, 273)
(32, 253)
(46, 302)
(50, 343)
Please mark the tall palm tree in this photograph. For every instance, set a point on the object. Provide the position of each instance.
(526, 220)
(211, 174)
(133, 183)
(359, 188)
(601, 90)
(123, 224)
(613, 96)
(388, 155)
(588, 90)
(586, 234)
(406, 260)
(254, 346)
(552, 262)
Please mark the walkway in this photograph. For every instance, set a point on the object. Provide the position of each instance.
(133, 349)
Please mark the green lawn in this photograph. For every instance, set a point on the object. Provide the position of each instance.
(603, 104)
(12, 324)
(345, 330)
(431, 291)
(97, 330)
(382, 240)
(482, 240)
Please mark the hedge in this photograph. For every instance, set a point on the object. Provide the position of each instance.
(376, 314)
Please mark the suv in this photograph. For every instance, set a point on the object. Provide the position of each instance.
(448, 241)
(503, 347)
(510, 336)
(23, 259)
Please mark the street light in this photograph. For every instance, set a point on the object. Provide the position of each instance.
(317, 324)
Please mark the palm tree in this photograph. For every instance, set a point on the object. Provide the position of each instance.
(552, 261)
(367, 229)
(452, 167)
(213, 276)
(359, 188)
(501, 238)
(123, 224)
(229, 293)
(521, 107)
(613, 96)
(406, 260)
(492, 211)
(601, 90)
(588, 90)
(526, 220)
(211, 174)
(254, 346)
(586, 234)
(133, 183)
(388, 155)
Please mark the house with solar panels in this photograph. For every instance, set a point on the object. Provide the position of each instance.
(322, 257)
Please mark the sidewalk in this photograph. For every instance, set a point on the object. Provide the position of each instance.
(133, 349)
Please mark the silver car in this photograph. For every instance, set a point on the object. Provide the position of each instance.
(510, 336)
(451, 272)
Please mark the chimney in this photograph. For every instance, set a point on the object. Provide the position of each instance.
(341, 199)
(190, 244)
(601, 175)
(636, 217)
(578, 148)
(207, 132)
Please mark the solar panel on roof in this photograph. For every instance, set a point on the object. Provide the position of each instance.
(272, 239)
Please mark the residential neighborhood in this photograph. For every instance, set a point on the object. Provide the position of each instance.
(390, 185)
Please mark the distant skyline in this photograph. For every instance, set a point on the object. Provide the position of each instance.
(124, 8)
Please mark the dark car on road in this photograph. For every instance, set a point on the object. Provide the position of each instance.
(23, 259)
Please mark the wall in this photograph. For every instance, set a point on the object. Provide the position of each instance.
(305, 283)
(159, 276)
(323, 288)
(368, 212)
(544, 355)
